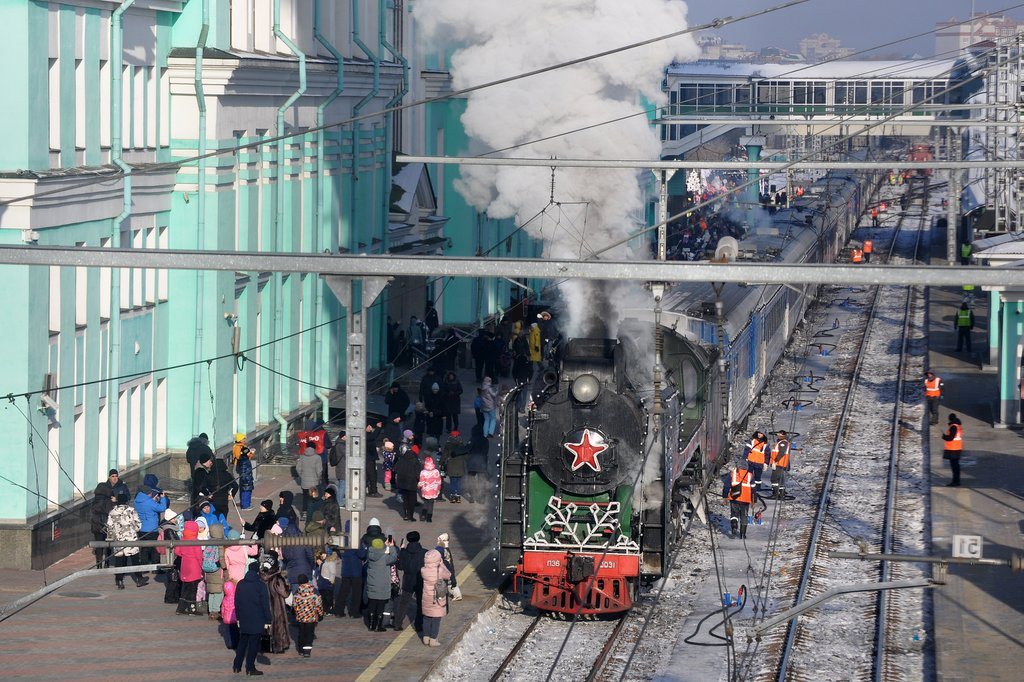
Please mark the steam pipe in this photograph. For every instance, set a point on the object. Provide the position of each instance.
(356, 110)
(204, 31)
(322, 239)
(116, 152)
(279, 216)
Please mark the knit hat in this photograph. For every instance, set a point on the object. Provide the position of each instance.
(443, 538)
(234, 535)
(412, 536)
(267, 504)
(150, 481)
(169, 514)
(122, 498)
(282, 522)
(191, 530)
(375, 522)
(239, 437)
(435, 387)
(113, 472)
(377, 543)
(407, 434)
(205, 457)
(454, 434)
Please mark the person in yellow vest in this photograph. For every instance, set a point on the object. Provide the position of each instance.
(963, 323)
(779, 464)
(738, 489)
(932, 392)
(756, 455)
(954, 445)
(535, 344)
(856, 255)
(868, 246)
(965, 253)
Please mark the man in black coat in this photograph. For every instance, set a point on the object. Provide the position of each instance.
(252, 606)
(397, 399)
(104, 498)
(407, 478)
(200, 484)
(222, 485)
(410, 561)
(373, 434)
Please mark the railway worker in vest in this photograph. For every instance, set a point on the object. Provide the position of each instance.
(856, 255)
(953, 445)
(738, 488)
(868, 246)
(779, 463)
(757, 454)
(932, 392)
(963, 323)
(874, 216)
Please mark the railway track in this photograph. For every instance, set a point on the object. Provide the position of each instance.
(585, 650)
(852, 503)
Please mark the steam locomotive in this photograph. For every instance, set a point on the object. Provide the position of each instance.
(600, 477)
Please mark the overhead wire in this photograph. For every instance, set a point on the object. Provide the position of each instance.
(179, 163)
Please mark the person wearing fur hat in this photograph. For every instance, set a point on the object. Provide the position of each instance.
(435, 607)
(264, 521)
(430, 488)
(277, 586)
(191, 570)
(285, 508)
(123, 524)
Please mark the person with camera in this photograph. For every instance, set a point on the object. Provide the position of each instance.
(150, 503)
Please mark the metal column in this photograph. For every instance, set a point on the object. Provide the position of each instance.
(355, 389)
(953, 204)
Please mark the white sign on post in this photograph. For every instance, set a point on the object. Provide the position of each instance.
(967, 546)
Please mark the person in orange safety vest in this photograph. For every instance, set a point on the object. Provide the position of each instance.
(856, 255)
(932, 392)
(874, 216)
(779, 464)
(953, 446)
(868, 246)
(756, 455)
(738, 488)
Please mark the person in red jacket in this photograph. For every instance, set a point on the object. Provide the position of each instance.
(191, 570)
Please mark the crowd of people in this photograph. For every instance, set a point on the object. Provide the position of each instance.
(259, 597)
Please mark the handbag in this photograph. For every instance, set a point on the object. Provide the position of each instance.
(266, 643)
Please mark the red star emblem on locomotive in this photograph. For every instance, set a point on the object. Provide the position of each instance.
(586, 451)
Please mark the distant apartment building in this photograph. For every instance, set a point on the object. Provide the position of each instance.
(818, 48)
(955, 35)
(713, 48)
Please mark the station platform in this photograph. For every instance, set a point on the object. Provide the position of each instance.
(90, 630)
(979, 612)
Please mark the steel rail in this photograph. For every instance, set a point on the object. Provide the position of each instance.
(596, 668)
(515, 650)
(888, 519)
(819, 516)
(436, 266)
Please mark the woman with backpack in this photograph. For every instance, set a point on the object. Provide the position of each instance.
(435, 595)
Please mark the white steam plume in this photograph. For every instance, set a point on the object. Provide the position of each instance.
(500, 38)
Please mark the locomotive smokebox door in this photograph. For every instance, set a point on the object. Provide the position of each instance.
(580, 568)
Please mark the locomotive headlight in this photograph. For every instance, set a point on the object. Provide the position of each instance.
(585, 388)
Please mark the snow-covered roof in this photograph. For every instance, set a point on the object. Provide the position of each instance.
(999, 246)
(921, 68)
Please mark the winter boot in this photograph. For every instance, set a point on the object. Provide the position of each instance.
(426, 641)
(119, 581)
(434, 642)
(734, 524)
